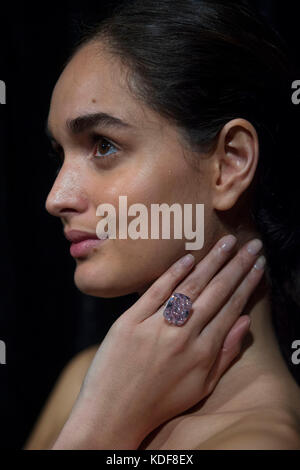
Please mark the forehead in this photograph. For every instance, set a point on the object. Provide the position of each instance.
(95, 81)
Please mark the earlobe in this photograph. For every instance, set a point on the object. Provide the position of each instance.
(235, 163)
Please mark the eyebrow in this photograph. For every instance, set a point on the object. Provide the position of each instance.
(88, 121)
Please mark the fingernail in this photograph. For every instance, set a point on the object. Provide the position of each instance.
(187, 260)
(260, 263)
(255, 246)
(228, 243)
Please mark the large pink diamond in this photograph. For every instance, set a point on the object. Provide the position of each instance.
(177, 309)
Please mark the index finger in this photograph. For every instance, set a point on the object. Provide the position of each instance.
(164, 286)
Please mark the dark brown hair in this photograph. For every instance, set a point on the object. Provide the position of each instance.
(201, 64)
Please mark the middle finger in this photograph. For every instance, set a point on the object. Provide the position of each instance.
(222, 286)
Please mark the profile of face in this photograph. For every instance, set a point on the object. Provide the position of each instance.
(144, 158)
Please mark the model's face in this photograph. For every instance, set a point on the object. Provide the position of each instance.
(146, 161)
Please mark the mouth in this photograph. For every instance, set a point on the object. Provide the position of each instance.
(82, 243)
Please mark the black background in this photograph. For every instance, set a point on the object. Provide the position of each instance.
(44, 319)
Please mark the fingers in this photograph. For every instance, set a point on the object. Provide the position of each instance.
(204, 271)
(229, 352)
(236, 334)
(168, 282)
(223, 285)
(217, 329)
(162, 288)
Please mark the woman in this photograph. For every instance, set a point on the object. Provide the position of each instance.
(173, 101)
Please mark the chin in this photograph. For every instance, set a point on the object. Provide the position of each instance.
(105, 283)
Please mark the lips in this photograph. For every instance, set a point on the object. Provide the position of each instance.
(82, 243)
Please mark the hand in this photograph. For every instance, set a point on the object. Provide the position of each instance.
(147, 371)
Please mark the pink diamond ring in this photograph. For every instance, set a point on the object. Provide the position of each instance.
(177, 309)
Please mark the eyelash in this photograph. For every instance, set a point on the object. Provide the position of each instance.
(57, 155)
(97, 138)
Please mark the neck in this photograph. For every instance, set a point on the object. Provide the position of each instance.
(259, 375)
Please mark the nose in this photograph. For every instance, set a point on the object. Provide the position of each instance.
(67, 194)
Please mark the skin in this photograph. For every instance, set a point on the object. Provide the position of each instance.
(146, 169)
(151, 161)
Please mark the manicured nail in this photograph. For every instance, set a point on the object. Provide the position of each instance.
(187, 260)
(228, 243)
(255, 246)
(260, 263)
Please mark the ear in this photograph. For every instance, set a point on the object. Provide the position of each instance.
(234, 163)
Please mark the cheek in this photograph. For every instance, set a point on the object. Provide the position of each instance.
(125, 266)
(152, 184)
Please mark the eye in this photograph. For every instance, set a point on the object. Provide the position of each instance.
(104, 148)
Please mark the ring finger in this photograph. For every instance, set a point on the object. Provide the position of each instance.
(224, 286)
(218, 328)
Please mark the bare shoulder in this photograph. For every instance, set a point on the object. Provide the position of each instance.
(266, 429)
(60, 401)
(81, 362)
